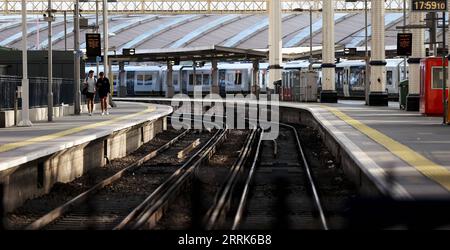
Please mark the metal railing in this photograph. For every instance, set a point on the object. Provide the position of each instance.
(62, 91)
(189, 6)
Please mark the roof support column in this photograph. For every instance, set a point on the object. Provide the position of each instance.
(170, 90)
(275, 44)
(255, 78)
(214, 78)
(378, 95)
(122, 83)
(418, 52)
(328, 93)
(25, 120)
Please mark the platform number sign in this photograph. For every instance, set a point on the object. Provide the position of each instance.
(429, 5)
(93, 45)
(404, 44)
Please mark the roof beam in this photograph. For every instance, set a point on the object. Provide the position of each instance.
(159, 30)
(252, 31)
(211, 26)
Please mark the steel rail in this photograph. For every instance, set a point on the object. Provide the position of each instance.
(219, 207)
(134, 216)
(66, 207)
(160, 197)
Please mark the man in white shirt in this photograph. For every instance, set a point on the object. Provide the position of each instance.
(89, 85)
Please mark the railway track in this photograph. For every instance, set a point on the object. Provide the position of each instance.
(105, 203)
(279, 191)
(208, 185)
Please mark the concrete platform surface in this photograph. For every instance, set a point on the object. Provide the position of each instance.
(406, 155)
(19, 145)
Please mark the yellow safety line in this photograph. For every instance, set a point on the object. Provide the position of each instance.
(14, 145)
(434, 171)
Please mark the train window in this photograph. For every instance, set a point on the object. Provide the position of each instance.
(206, 79)
(175, 78)
(238, 78)
(198, 79)
(148, 79)
(389, 77)
(140, 79)
(436, 78)
(356, 76)
(191, 79)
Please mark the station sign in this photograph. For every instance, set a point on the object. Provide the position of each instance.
(93, 45)
(429, 5)
(404, 44)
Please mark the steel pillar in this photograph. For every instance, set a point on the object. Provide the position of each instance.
(170, 89)
(215, 89)
(25, 120)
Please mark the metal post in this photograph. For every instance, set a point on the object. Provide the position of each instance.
(444, 72)
(96, 28)
(105, 37)
(215, 89)
(25, 120)
(169, 79)
(404, 25)
(310, 35)
(366, 37)
(65, 30)
(50, 65)
(76, 83)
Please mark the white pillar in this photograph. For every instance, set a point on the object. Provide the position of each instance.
(25, 120)
(275, 43)
(105, 37)
(328, 94)
(418, 52)
(76, 46)
(170, 90)
(378, 95)
(214, 78)
(50, 66)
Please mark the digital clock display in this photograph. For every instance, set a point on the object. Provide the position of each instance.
(429, 5)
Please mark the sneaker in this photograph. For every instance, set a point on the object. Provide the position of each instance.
(107, 112)
(103, 113)
(90, 114)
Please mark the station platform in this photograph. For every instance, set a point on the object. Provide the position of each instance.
(404, 155)
(33, 158)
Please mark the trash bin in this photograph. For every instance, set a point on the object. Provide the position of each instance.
(403, 92)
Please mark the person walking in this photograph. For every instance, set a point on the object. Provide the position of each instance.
(89, 83)
(103, 87)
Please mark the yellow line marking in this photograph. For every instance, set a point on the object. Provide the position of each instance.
(15, 145)
(434, 171)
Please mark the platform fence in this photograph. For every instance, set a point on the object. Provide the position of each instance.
(62, 92)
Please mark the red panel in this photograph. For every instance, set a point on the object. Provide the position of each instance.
(430, 99)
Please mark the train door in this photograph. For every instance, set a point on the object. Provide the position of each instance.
(130, 82)
(345, 82)
(115, 84)
(222, 83)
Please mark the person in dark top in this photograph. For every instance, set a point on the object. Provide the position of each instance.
(103, 89)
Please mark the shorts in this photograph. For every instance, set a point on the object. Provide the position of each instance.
(90, 95)
(102, 94)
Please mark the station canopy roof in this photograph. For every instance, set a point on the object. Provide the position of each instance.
(201, 53)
